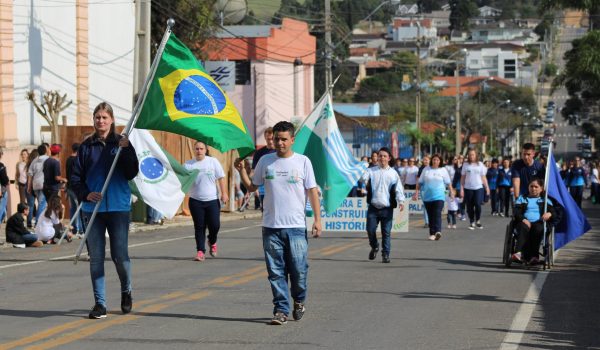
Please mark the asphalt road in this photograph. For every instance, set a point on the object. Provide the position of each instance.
(449, 294)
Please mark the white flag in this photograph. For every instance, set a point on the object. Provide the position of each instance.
(161, 182)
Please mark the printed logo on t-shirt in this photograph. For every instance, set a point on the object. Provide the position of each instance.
(294, 177)
(270, 175)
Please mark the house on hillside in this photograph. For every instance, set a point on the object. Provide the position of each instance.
(493, 61)
(467, 86)
(488, 11)
(407, 9)
(496, 31)
(407, 29)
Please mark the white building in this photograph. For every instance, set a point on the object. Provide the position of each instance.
(492, 62)
(50, 46)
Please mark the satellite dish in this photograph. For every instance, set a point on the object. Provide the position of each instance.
(231, 11)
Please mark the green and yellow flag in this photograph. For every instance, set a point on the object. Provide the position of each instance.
(185, 100)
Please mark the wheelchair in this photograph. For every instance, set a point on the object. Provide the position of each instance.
(546, 249)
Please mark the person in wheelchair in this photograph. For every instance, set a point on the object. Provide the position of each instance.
(529, 222)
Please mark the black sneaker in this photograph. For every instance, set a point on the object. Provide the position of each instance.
(479, 225)
(279, 318)
(126, 302)
(298, 312)
(373, 253)
(99, 311)
(385, 258)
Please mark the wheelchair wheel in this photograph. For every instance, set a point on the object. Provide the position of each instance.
(509, 242)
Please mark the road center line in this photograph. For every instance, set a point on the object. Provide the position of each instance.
(513, 338)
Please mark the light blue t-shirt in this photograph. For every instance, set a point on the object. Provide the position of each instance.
(532, 213)
(433, 184)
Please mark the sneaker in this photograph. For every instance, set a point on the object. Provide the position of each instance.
(437, 236)
(373, 253)
(20, 245)
(279, 318)
(463, 218)
(449, 226)
(298, 312)
(454, 227)
(516, 257)
(99, 311)
(472, 226)
(501, 214)
(37, 244)
(199, 256)
(432, 237)
(426, 226)
(213, 250)
(385, 258)
(126, 302)
(479, 225)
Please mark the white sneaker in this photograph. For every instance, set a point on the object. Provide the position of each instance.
(454, 226)
(472, 226)
(438, 235)
(22, 245)
(432, 237)
(449, 226)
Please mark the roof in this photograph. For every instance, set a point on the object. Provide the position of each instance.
(431, 127)
(501, 46)
(379, 64)
(467, 85)
(357, 109)
(360, 51)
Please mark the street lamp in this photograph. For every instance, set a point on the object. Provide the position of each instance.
(481, 86)
(458, 144)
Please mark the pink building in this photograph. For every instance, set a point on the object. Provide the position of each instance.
(274, 71)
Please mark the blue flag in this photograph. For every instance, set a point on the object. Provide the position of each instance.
(573, 223)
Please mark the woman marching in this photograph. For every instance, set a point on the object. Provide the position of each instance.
(473, 183)
(204, 199)
(90, 170)
(433, 183)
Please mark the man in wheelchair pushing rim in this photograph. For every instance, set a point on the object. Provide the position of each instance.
(529, 217)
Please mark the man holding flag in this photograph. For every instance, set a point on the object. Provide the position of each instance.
(288, 178)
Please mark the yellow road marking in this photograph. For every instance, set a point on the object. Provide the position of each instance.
(154, 305)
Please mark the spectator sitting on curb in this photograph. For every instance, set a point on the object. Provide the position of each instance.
(17, 233)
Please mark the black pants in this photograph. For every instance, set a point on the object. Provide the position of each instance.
(504, 199)
(205, 214)
(473, 200)
(451, 217)
(529, 239)
(434, 213)
(577, 194)
(494, 200)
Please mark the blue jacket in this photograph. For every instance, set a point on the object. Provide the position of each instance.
(91, 168)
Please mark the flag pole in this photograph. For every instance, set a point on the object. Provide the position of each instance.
(130, 124)
(73, 218)
(546, 177)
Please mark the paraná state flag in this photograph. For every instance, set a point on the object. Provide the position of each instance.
(336, 170)
(161, 181)
(184, 99)
(573, 222)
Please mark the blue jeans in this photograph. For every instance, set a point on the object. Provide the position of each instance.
(153, 215)
(41, 199)
(205, 214)
(117, 225)
(434, 212)
(286, 253)
(31, 205)
(3, 203)
(73, 204)
(374, 217)
(29, 238)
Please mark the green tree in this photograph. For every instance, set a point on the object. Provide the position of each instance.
(194, 22)
(592, 7)
(543, 27)
(426, 6)
(460, 13)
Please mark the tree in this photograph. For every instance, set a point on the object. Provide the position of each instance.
(194, 22)
(460, 13)
(50, 108)
(592, 7)
(426, 6)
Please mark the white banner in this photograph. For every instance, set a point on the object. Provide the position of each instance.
(417, 207)
(351, 216)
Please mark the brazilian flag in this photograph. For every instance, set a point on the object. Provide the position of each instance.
(185, 100)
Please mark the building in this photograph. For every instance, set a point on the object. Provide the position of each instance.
(63, 47)
(357, 109)
(274, 67)
(498, 31)
(407, 29)
(487, 62)
(467, 85)
(488, 11)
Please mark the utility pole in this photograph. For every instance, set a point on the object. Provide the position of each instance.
(458, 145)
(142, 44)
(418, 105)
(328, 45)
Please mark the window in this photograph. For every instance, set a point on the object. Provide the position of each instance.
(242, 73)
(484, 33)
(510, 69)
(474, 62)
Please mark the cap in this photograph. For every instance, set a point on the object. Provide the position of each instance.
(55, 149)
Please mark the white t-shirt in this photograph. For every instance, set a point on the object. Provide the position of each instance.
(473, 173)
(45, 227)
(209, 171)
(286, 181)
(594, 178)
(410, 175)
(451, 170)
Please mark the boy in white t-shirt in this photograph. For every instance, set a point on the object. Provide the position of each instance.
(288, 178)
